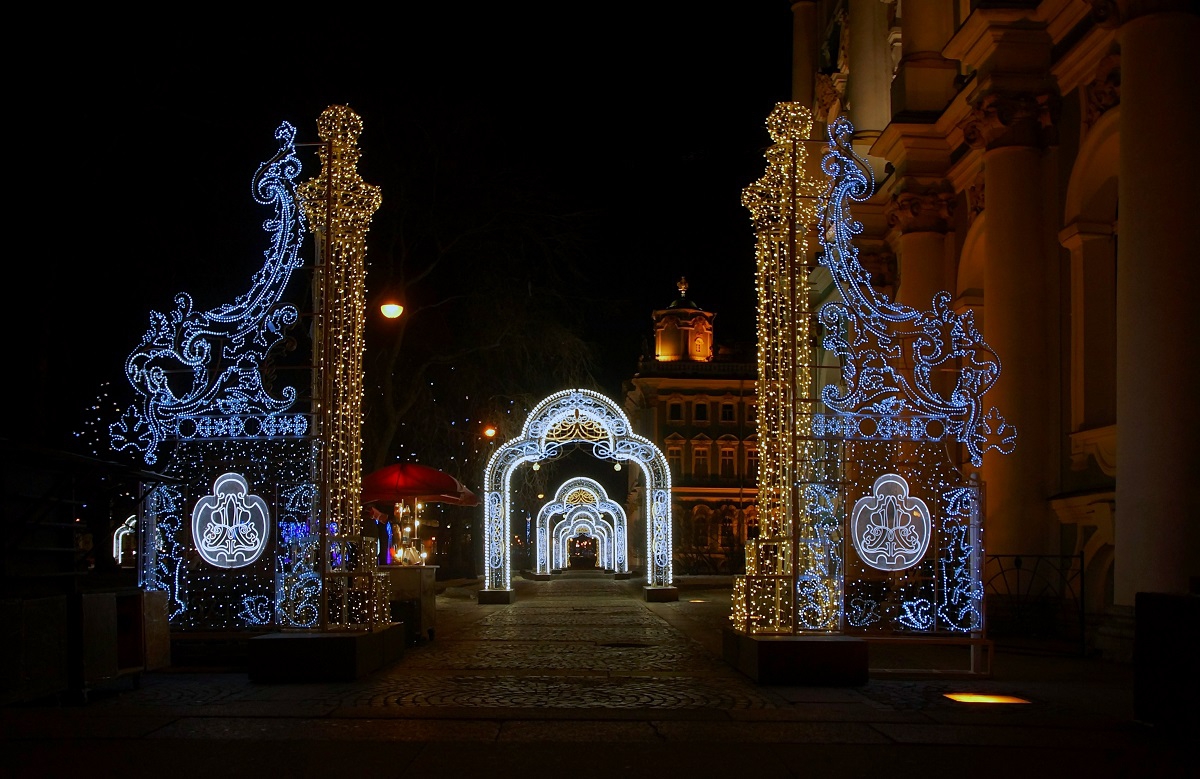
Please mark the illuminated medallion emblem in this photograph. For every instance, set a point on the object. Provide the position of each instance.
(890, 528)
(230, 526)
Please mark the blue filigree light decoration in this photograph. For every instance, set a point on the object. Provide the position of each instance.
(876, 339)
(960, 606)
(165, 558)
(817, 596)
(199, 374)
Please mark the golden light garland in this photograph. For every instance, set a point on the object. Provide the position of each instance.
(339, 206)
(782, 205)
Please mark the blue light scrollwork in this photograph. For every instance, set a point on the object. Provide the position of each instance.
(873, 337)
(196, 371)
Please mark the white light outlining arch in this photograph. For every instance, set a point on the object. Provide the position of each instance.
(569, 417)
(583, 521)
(576, 495)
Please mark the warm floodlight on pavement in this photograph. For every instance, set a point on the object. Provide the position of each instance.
(970, 697)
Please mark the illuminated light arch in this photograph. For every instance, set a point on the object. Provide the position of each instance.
(124, 530)
(575, 417)
(576, 494)
(583, 521)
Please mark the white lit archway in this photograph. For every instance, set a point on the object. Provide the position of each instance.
(583, 521)
(565, 418)
(578, 497)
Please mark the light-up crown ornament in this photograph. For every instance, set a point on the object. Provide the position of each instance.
(890, 353)
(199, 374)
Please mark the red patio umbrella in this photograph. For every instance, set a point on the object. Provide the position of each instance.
(406, 481)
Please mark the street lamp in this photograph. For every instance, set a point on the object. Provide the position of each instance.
(391, 310)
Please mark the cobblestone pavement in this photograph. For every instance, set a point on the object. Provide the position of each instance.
(585, 666)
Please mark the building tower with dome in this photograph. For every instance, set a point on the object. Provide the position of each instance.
(694, 397)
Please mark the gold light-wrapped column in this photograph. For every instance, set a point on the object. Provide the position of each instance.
(783, 209)
(339, 207)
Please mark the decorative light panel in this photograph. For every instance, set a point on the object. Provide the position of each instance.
(230, 527)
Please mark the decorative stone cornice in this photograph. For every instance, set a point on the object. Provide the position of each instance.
(1099, 444)
(1010, 119)
(1114, 13)
(921, 210)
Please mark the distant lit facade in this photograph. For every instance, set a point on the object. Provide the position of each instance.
(695, 399)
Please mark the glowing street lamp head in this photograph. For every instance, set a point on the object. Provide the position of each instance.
(490, 431)
(391, 310)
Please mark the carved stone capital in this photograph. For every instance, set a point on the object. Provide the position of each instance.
(1001, 119)
(920, 211)
(829, 96)
(976, 198)
(1104, 91)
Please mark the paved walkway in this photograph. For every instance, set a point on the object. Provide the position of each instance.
(580, 677)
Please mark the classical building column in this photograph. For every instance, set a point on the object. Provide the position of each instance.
(1093, 338)
(922, 216)
(924, 81)
(1157, 532)
(1020, 297)
(804, 52)
(870, 82)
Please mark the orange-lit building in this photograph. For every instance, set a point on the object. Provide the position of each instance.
(695, 399)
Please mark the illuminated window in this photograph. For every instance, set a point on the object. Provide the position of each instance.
(726, 463)
(700, 461)
(752, 463)
(675, 460)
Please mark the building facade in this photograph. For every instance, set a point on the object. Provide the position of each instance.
(695, 399)
(1035, 160)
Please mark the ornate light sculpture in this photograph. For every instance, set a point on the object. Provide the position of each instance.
(865, 458)
(339, 205)
(268, 493)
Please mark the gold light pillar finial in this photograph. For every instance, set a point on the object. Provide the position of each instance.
(682, 286)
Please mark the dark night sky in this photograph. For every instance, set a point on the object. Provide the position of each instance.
(134, 158)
